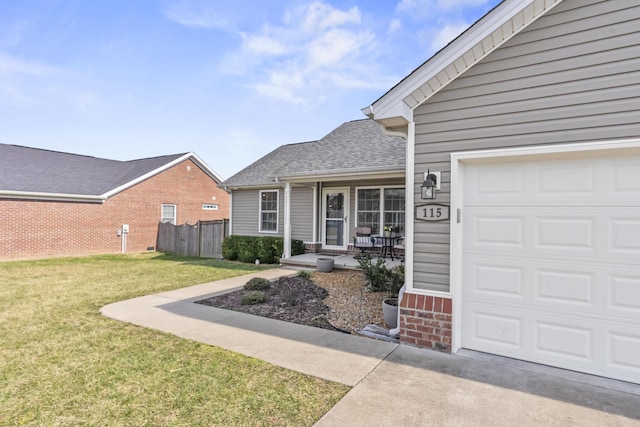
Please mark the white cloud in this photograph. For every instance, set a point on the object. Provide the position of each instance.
(316, 49)
(196, 15)
(447, 34)
(395, 25)
(424, 7)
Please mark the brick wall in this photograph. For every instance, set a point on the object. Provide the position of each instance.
(38, 229)
(425, 321)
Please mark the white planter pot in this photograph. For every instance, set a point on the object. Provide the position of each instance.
(324, 265)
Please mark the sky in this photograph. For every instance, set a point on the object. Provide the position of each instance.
(227, 80)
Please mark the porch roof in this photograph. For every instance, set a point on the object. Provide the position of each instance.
(358, 147)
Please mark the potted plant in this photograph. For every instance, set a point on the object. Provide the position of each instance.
(379, 278)
(387, 230)
(394, 279)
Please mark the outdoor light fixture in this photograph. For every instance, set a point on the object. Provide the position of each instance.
(429, 186)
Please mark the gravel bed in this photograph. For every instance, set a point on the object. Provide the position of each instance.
(335, 300)
(351, 307)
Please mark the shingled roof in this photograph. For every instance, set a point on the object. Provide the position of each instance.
(37, 173)
(354, 147)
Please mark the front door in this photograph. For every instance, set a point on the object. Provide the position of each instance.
(335, 218)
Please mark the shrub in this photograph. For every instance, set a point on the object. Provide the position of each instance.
(267, 249)
(304, 274)
(379, 278)
(247, 249)
(253, 297)
(230, 247)
(257, 284)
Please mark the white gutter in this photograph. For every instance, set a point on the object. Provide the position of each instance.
(60, 197)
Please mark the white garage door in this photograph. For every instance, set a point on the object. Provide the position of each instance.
(551, 262)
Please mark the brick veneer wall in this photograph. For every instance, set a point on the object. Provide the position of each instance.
(38, 229)
(425, 321)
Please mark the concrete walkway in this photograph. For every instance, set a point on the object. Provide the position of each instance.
(392, 384)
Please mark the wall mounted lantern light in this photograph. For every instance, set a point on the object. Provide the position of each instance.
(429, 186)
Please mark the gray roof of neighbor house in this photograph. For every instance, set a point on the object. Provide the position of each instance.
(357, 147)
(37, 173)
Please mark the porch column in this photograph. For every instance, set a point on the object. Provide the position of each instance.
(287, 220)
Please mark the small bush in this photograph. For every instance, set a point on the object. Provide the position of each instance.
(257, 284)
(379, 278)
(304, 274)
(253, 297)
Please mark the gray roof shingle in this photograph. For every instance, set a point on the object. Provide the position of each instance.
(33, 170)
(356, 146)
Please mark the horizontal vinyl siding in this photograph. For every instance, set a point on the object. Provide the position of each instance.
(246, 210)
(302, 213)
(573, 76)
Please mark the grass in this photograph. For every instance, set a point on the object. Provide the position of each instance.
(62, 363)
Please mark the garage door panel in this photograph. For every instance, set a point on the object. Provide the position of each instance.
(566, 287)
(564, 341)
(624, 352)
(551, 262)
(624, 295)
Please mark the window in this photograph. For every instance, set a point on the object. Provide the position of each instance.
(168, 214)
(269, 211)
(379, 207)
(369, 209)
(394, 208)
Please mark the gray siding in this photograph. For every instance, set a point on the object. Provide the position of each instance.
(573, 76)
(302, 213)
(245, 211)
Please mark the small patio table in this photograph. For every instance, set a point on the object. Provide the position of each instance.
(388, 244)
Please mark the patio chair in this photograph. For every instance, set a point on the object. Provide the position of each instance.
(362, 240)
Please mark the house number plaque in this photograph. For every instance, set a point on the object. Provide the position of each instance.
(432, 212)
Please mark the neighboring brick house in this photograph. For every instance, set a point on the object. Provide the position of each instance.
(61, 204)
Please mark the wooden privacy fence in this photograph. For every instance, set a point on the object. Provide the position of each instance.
(203, 239)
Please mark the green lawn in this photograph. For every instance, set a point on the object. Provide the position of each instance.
(62, 363)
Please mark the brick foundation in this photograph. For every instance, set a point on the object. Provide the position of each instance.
(425, 321)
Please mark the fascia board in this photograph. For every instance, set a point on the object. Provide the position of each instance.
(326, 176)
(498, 26)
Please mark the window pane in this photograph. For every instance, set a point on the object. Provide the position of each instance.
(369, 209)
(269, 221)
(394, 207)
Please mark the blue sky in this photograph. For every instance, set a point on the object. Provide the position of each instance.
(228, 80)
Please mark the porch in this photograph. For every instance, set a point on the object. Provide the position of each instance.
(340, 261)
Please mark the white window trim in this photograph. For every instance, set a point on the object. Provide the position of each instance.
(260, 230)
(175, 213)
(381, 188)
